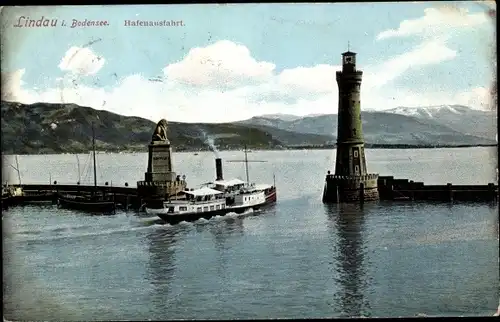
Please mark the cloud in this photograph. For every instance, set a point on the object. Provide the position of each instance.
(317, 79)
(11, 85)
(476, 97)
(239, 86)
(81, 61)
(427, 53)
(224, 63)
(436, 21)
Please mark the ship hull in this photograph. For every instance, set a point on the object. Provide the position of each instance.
(271, 196)
(6, 203)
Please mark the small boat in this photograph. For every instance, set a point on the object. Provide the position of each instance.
(35, 198)
(195, 153)
(6, 199)
(15, 195)
(95, 202)
(87, 203)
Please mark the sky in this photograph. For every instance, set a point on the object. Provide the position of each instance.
(221, 63)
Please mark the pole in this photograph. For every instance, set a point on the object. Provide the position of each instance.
(93, 150)
(78, 164)
(246, 164)
(18, 172)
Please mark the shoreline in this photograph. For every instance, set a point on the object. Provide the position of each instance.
(289, 148)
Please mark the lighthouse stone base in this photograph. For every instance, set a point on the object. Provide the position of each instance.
(344, 189)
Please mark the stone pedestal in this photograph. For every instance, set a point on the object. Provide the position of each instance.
(160, 182)
(160, 162)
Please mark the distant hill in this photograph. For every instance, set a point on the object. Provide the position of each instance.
(66, 128)
(393, 128)
(60, 128)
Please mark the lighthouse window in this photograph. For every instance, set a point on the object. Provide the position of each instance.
(218, 207)
(198, 209)
(212, 207)
(355, 153)
(183, 208)
(356, 169)
(205, 208)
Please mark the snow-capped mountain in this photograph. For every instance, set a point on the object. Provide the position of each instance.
(283, 117)
(458, 117)
(430, 111)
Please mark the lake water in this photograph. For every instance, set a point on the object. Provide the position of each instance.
(298, 259)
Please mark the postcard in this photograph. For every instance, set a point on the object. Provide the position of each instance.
(241, 161)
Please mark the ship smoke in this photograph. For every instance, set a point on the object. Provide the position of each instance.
(210, 142)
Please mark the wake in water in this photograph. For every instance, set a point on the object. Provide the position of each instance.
(70, 234)
(218, 218)
(74, 226)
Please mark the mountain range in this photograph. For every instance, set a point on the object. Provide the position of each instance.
(67, 128)
(436, 125)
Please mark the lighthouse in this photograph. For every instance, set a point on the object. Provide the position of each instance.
(351, 181)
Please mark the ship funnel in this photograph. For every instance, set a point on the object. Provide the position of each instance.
(218, 169)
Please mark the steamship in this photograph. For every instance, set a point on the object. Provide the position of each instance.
(217, 198)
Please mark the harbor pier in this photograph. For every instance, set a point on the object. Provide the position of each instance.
(390, 188)
(126, 197)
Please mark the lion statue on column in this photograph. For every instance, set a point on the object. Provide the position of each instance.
(160, 133)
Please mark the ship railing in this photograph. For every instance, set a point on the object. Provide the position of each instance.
(161, 183)
(196, 202)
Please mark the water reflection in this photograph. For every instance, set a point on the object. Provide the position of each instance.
(346, 224)
(221, 232)
(161, 265)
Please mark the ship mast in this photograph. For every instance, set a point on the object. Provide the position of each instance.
(17, 169)
(246, 164)
(78, 165)
(93, 151)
